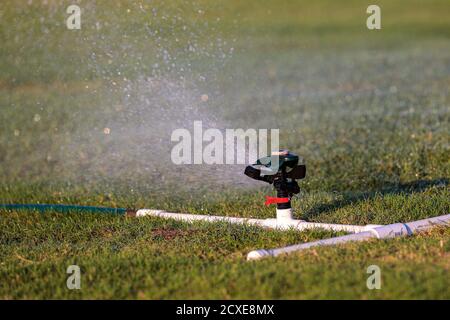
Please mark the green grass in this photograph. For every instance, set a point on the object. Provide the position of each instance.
(149, 258)
(368, 110)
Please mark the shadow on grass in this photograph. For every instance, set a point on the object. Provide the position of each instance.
(351, 198)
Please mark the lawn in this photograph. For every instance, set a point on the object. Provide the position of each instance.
(86, 118)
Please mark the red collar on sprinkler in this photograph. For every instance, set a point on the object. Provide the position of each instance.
(270, 200)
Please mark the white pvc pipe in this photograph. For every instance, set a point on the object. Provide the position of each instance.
(281, 224)
(301, 225)
(284, 214)
(388, 231)
(197, 217)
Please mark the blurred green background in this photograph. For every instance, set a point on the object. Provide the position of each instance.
(86, 117)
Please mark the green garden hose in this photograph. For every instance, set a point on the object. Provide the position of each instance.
(63, 208)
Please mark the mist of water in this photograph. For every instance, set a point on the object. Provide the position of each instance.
(131, 141)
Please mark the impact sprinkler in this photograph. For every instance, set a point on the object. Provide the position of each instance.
(281, 169)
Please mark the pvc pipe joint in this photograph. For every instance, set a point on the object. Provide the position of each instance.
(373, 232)
(284, 214)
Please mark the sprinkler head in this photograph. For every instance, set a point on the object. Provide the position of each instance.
(281, 169)
(268, 169)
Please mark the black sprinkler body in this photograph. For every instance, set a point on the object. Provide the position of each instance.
(282, 174)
